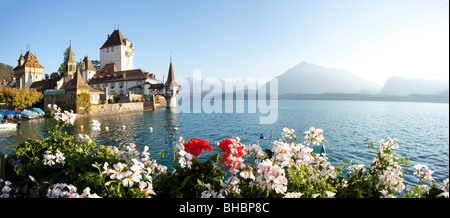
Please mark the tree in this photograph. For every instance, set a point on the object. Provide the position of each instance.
(96, 64)
(66, 53)
(61, 70)
(19, 98)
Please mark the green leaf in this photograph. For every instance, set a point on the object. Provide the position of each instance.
(109, 182)
(213, 158)
(200, 182)
(185, 181)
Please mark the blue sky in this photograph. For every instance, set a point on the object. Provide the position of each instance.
(246, 38)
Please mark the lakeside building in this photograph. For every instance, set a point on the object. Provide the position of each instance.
(27, 71)
(116, 72)
(115, 80)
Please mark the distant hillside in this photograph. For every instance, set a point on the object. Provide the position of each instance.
(5, 71)
(308, 78)
(407, 86)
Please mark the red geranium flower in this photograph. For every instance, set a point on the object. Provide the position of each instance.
(233, 150)
(196, 146)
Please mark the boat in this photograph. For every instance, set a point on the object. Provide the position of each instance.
(29, 114)
(6, 125)
(38, 111)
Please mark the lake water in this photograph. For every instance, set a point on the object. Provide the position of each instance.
(422, 129)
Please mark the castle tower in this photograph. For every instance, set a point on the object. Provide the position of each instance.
(171, 88)
(70, 65)
(87, 69)
(27, 71)
(117, 50)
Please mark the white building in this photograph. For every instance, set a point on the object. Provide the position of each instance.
(118, 50)
(27, 71)
(116, 67)
(87, 69)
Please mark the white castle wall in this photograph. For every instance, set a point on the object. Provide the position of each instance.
(117, 55)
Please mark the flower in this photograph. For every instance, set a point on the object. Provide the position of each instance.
(314, 136)
(233, 151)
(196, 146)
(210, 193)
(288, 133)
(60, 157)
(293, 195)
(425, 173)
(271, 176)
(330, 194)
(62, 190)
(82, 138)
(66, 117)
(95, 125)
(49, 158)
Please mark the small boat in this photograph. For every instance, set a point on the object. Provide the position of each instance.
(38, 111)
(7, 125)
(28, 114)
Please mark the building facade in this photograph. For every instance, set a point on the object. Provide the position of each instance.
(118, 50)
(116, 68)
(27, 71)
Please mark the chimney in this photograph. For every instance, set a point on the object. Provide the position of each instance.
(46, 76)
(109, 35)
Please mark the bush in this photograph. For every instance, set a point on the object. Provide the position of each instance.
(60, 164)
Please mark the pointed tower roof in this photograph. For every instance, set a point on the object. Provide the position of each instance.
(170, 76)
(116, 38)
(69, 58)
(21, 57)
(30, 61)
(77, 82)
(88, 64)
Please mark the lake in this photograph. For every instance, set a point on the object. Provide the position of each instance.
(422, 129)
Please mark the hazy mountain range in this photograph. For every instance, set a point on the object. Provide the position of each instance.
(310, 81)
(308, 78)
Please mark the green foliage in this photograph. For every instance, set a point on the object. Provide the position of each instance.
(19, 98)
(83, 103)
(190, 182)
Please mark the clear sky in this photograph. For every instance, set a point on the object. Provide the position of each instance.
(239, 38)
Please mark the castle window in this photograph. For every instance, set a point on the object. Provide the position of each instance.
(107, 50)
(112, 49)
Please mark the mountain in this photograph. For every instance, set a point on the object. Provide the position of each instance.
(407, 86)
(308, 78)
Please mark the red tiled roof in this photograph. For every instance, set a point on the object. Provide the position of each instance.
(109, 73)
(116, 38)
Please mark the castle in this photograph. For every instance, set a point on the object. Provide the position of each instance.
(116, 76)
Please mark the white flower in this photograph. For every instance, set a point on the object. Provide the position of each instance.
(314, 136)
(425, 173)
(83, 138)
(95, 125)
(60, 157)
(49, 159)
(288, 133)
(315, 195)
(293, 195)
(66, 117)
(330, 194)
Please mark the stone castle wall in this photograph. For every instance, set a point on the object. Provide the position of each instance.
(104, 109)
